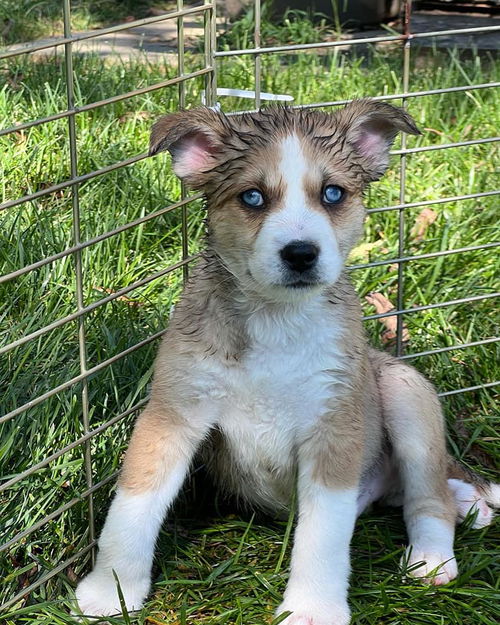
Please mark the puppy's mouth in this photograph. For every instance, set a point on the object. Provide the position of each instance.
(302, 284)
(301, 280)
(290, 282)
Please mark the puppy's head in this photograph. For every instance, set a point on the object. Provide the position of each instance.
(284, 187)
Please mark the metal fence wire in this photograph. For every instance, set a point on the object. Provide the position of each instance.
(82, 310)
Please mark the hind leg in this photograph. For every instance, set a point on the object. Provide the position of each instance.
(414, 422)
(471, 494)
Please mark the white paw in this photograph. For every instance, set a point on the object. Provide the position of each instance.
(469, 500)
(334, 614)
(97, 594)
(430, 566)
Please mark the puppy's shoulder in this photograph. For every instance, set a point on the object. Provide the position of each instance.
(204, 323)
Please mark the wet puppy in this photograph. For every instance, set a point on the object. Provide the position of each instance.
(266, 367)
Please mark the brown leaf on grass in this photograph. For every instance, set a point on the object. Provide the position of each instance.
(150, 620)
(14, 80)
(27, 577)
(20, 137)
(131, 115)
(121, 298)
(425, 218)
(42, 185)
(390, 323)
(466, 130)
(361, 253)
(71, 575)
(436, 132)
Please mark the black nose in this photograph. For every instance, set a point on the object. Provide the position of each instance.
(300, 255)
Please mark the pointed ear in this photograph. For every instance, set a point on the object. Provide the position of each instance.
(193, 138)
(371, 128)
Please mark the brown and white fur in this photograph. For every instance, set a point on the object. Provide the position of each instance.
(266, 368)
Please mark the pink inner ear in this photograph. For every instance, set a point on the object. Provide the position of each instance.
(192, 155)
(370, 143)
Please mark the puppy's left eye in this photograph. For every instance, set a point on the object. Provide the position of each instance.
(332, 194)
(252, 198)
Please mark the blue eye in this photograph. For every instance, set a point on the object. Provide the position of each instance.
(252, 198)
(332, 194)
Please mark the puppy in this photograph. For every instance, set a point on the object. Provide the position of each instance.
(266, 368)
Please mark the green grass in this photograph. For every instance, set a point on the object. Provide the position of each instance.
(295, 27)
(220, 567)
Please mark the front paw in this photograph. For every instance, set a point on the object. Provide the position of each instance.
(317, 613)
(97, 594)
(431, 567)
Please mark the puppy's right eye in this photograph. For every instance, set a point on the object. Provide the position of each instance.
(252, 198)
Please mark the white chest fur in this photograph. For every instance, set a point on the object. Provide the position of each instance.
(278, 390)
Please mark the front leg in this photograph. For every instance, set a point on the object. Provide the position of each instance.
(317, 589)
(155, 466)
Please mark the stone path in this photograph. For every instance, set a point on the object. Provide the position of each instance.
(427, 21)
(159, 40)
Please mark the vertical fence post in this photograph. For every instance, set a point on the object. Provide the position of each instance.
(402, 180)
(73, 153)
(257, 42)
(182, 105)
(210, 48)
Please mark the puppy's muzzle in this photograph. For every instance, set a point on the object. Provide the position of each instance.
(300, 256)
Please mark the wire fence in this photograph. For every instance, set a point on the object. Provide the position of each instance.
(82, 310)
